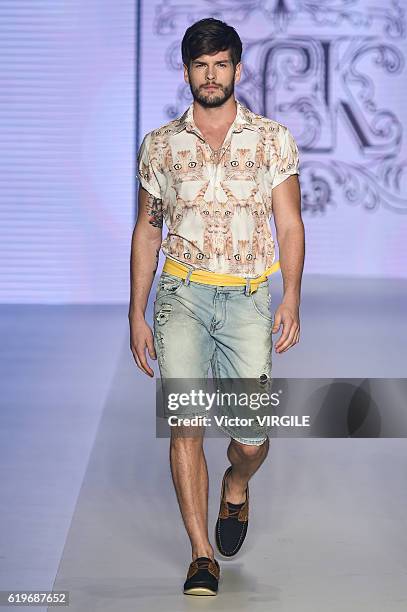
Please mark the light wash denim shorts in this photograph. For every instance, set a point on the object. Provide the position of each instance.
(199, 326)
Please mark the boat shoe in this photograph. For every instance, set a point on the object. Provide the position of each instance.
(232, 523)
(202, 577)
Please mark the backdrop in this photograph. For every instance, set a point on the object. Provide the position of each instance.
(82, 82)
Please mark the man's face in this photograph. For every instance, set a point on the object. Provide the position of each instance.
(212, 78)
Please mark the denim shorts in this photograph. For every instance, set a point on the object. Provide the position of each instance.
(199, 326)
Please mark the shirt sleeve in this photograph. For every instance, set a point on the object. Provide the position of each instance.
(146, 171)
(287, 159)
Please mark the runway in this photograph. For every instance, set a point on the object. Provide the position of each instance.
(87, 499)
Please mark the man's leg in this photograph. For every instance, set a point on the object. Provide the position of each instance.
(190, 477)
(246, 460)
(244, 351)
(184, 348)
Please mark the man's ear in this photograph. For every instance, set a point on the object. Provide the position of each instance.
(238, 72)
(186, 77)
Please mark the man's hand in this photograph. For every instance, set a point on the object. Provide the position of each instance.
(287, 314)
(291, 243)
(141, 336)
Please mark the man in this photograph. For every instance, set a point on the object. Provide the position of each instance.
(215, 175)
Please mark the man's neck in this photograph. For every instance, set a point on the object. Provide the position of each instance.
(215, 117)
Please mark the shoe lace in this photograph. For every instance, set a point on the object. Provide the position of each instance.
(234, 511)
(204, 563)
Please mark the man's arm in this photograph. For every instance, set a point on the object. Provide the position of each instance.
(291, 242)
(145, 250)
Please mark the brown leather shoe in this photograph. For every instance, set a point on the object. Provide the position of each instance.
(231, 526)
(202, 577)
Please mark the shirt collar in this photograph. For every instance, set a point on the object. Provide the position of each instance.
(242, 120)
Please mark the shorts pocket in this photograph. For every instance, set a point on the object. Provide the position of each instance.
(261, 300)
(168, 284)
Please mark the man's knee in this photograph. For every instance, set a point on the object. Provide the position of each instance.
(250, 451)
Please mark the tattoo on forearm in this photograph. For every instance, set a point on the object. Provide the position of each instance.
(155, 211)
(157, 256)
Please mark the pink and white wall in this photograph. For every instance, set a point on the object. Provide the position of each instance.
(82, 81)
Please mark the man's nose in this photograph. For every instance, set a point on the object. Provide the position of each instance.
(210, 75)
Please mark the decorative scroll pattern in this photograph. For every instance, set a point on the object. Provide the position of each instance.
(322, 85)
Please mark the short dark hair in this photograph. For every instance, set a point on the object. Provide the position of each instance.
(209, 36)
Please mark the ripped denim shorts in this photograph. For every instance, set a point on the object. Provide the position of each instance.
(199, 326)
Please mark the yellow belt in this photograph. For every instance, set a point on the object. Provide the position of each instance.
(213, 278)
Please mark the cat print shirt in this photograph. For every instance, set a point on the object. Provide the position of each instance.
(217, 205)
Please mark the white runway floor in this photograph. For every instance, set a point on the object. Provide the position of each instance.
(87, 501)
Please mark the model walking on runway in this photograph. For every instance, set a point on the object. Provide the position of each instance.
(215, 175)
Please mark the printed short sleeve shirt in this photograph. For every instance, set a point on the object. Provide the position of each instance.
(217, 206)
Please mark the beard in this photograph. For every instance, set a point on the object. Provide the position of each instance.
(214, 98)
